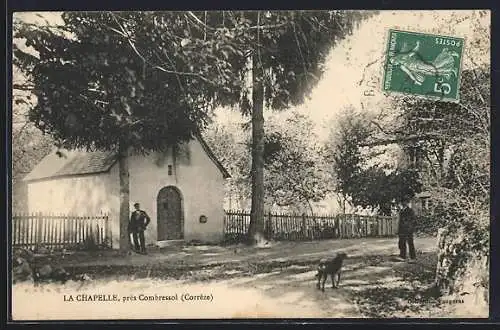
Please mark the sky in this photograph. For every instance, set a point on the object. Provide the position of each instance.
(349, 61)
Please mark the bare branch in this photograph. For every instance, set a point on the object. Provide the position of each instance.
(200, 22)
(482, 120)
(381, 128)
(256, 27)
(382, 142)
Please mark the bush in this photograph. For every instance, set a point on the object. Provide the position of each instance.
(463, 258)
(429, 224)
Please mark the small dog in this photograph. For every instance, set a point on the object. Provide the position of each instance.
(332, 267)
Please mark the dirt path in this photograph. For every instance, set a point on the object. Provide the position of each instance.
(199, 256)
(275, 282)
(371, 287)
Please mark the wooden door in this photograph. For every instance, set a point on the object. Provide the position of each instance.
(170, 214)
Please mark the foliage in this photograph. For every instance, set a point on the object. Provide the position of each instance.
(344, 150)
(428, 224)
(294, 167)
(29, 146)
(438, 128)
(290, 46)
(114, 93)
(294, 164)
(462, 131)
(376, 189)
(370, 186)
(230, 146)
(406, 184)
(454, 142)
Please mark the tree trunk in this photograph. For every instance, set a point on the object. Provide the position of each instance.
(256, 228)
(123, 155)
(310, 207)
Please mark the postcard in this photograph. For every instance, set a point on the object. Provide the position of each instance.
(250, 164)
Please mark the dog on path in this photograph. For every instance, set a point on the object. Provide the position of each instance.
(330, 266)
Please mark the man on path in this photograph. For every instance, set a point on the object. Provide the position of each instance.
(406, 229)
(139, 221)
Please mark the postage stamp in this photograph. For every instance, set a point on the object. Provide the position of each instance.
(423, 64)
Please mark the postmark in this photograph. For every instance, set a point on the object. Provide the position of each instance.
(422, 64)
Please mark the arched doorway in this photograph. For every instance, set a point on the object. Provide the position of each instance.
(170, 215)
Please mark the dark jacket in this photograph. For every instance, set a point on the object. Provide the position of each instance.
(407, 221)
(139, 220)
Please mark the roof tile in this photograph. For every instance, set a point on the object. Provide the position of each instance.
(72, 163)
(80, 162)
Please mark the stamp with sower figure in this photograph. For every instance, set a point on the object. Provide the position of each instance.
(424, 65)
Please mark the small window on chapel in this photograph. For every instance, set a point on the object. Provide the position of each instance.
(169, 169)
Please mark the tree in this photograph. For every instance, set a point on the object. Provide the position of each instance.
(456, 174)
(345, 151)
(284, 52)
(100, 85)
(286, 49)
(293, 163)
(294, 166)
(156, 76)
(453, 140)
(377, 190)
(29, 146)
(230, 145)
(359, 178)
(461, 153)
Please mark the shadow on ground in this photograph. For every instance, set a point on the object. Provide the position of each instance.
(397, 289)
(372, 284)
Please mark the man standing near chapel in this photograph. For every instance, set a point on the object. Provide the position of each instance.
(139, 221)
(406, 229)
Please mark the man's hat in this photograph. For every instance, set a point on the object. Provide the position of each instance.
(136, 204)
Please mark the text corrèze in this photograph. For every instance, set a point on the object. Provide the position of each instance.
(184, 297)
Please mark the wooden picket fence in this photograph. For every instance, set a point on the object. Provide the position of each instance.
(295, 227)
(60, 231)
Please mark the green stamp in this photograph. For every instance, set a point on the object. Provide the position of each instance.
(423, 64)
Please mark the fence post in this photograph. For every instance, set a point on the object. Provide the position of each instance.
(224, 223)
(338, 225)
(107, 230)
(395, 224)
(39, 229)
(269, 225)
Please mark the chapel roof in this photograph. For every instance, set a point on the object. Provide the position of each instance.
(79, 162)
